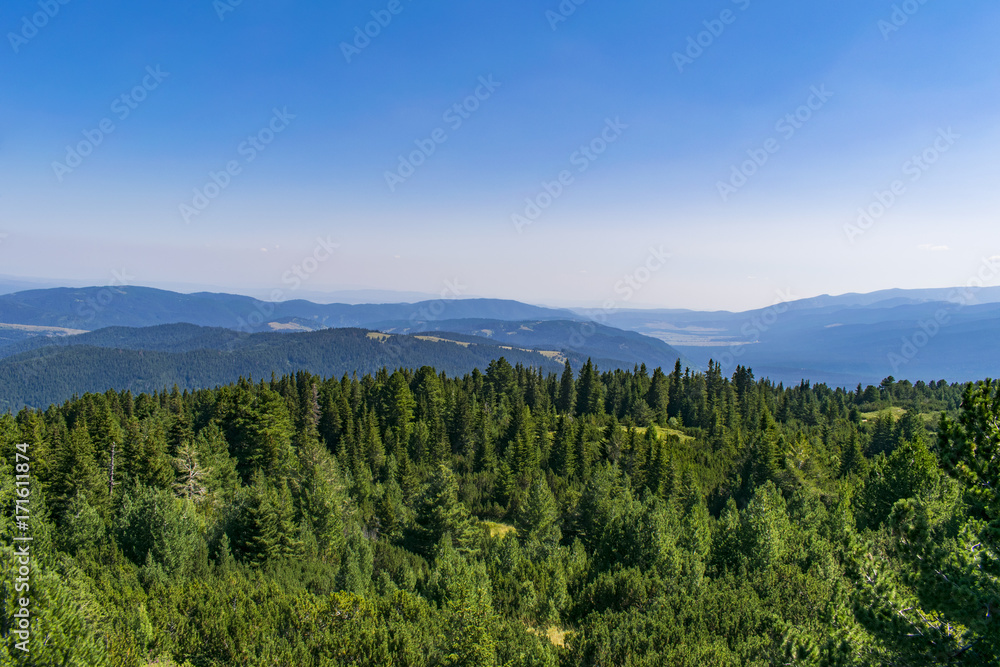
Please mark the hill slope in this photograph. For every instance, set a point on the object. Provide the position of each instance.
(578, 341)
(195, 357)
(93, 308)
(836, 344)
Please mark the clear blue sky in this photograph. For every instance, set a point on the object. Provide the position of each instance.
(673, 129)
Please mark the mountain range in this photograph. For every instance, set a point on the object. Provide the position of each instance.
(38, 372)
(58, 342)
(95, 338)
(930, 334)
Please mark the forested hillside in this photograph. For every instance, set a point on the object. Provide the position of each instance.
(511, 517)
(606, 346)
(150, 359)
(132, 306)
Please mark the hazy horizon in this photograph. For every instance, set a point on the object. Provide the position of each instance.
(354, 296)
(718, 156)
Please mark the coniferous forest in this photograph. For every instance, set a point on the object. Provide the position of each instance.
(510, 517)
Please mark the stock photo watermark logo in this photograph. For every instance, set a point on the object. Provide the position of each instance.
(453, 289)
(420, 318)
(562, 13)
(901, 15)
(32, 23)
(363, 35)
(248, 151)
(122, 107)
(294, 277)
(786, 127)
(714, 28)
(582, 159)
(89, 308)
(928, 329)
(755, 327)
(223, 7)
(913, 169)
(627, 287)
(454, 117)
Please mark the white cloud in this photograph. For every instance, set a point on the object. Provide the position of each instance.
(930, 247)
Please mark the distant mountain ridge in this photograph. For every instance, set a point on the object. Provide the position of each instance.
(192, 357)
(839, 340)
(842, 340)
(93, 308)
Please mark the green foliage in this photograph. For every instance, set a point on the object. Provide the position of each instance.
(635, 518)
(971, 450)
(152, 526)
(443, 514)
(538, 518)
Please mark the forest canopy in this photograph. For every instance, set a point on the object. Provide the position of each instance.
(510, 517)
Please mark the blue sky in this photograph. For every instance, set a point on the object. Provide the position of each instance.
(209, 85)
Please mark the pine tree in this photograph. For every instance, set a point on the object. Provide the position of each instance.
(674, 392)
(882, 438)
(401, 402)
(970, 450)
(589, 399)
(658, 397)
(852, 459)
(443, 513)
(563, 459)
(566, 403)
(537, 519)
(265, 528)
(77, 472)
(322, 499)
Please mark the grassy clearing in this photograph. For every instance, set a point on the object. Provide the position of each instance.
(555, 634)
(552, 354)
(662, 432)
(501, 529)
(435, 339)
(930, 417)
(894, 411)
(58, 331)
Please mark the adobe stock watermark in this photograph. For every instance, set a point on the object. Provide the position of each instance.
(901, 15)
(453, 117)
(31, 24)
(581, 159)
(247, 151)
(294, 277)
(753, 328)
(88, 309)
(20, 623)
(714, 28)
(562, 13)
(959, 298)
(453, 289)
(223, 7)
(121, 107)
(363, 35)
(913, 169)
(629, 285)
(428, 312)
(786, 127)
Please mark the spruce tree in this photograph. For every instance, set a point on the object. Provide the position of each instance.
(567, 391)
(537, 519)
(442, 512)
